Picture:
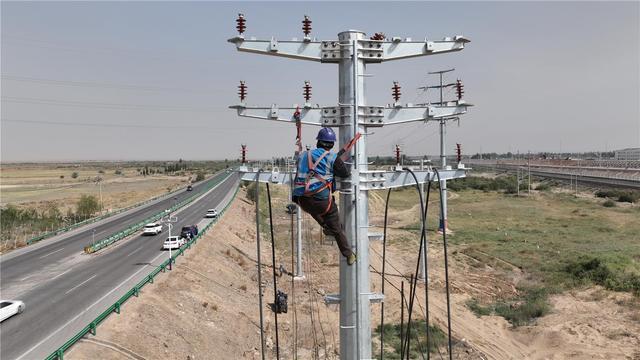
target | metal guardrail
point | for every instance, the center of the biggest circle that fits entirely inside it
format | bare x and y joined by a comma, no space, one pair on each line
137,226
135,291
91,220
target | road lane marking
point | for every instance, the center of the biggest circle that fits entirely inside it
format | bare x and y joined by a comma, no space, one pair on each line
62,273
53,252
111,291
25,278
85,311
82,283
134,251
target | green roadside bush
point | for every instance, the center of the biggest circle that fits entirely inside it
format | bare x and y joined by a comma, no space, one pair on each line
530,304
586,270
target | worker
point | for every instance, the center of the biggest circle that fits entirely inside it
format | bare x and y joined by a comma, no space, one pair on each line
314,185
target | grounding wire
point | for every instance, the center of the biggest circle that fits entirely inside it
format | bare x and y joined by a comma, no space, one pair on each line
414,280
446,267
259,263
275,284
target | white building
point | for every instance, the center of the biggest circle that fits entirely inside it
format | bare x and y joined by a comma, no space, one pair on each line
628,154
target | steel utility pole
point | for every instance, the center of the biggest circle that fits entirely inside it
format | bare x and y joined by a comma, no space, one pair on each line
352,51
443,226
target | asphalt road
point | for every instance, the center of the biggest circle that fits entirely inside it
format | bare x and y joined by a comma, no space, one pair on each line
63,288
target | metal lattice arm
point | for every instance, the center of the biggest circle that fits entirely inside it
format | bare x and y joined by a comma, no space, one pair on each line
308,115
398,49
409,113
303,50
369,115
332,51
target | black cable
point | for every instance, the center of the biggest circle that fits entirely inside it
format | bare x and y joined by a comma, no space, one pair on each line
259,262
384,254
414,280
275,284
426,268
446,265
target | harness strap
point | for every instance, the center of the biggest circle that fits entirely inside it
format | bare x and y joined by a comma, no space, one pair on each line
348,146
296,116
312,168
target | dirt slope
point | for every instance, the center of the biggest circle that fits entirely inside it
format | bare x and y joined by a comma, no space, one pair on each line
208,307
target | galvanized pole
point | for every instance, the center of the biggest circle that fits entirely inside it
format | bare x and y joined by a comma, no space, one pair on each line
529,175
355,309
443,226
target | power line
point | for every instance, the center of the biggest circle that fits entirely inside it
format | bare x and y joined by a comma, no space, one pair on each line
101,105
109,125
91,84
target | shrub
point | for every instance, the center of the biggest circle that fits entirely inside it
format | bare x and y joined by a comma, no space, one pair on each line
609,203
594,270
200,176
118,172
626,198
521,310
74,175
87,206
418,339
543,187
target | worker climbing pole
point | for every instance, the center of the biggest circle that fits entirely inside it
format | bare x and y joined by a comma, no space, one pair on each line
352,52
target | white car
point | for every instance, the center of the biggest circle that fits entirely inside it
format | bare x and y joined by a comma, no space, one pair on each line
212,213
8,308
173,242
152,229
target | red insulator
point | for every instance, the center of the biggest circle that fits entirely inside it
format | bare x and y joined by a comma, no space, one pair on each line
459,152
397,154
306,92
396,91
244,153
378,36
459,89
306,26
242,91
241,24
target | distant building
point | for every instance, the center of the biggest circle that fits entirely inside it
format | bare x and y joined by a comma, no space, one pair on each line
628,154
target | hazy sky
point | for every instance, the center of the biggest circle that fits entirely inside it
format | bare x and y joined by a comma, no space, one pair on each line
153,80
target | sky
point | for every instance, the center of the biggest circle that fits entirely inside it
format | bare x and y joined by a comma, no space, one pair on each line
153,80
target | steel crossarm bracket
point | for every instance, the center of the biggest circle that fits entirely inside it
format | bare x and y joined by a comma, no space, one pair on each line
309,114
377,180
372,51
273,177
335,298
295,49
400,114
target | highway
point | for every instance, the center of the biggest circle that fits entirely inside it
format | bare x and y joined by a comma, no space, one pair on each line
63,288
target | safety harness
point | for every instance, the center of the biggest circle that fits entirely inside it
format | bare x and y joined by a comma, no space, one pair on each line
312,166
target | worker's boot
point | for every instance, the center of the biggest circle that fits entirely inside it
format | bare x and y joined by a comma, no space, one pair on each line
351,259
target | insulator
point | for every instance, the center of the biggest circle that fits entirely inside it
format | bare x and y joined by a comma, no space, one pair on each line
396,91
306,92
378,36
398,154
242,91
306,26
459,89
244,153
459,152
241,24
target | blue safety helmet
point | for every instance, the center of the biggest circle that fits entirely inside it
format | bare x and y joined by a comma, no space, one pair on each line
326,134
